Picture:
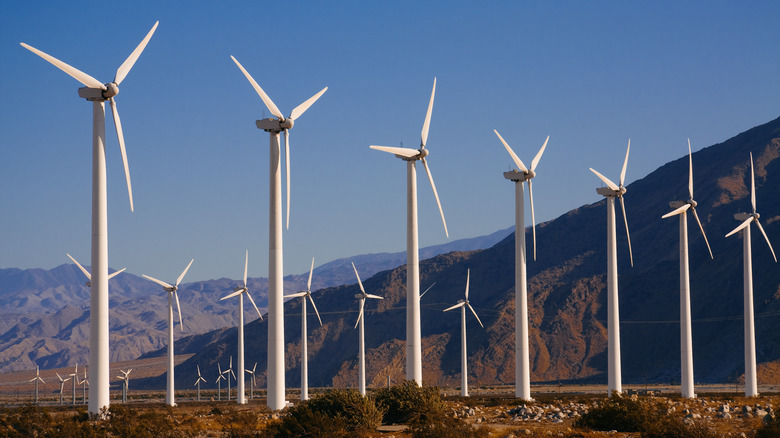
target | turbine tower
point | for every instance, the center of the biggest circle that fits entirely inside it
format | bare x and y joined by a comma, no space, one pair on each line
612,191
751,381
522,354
413,331
686,337
99,93
304,347
220,378
37,379
197,382
74,376
464,375
125,378
241,291
362,341
62,385
274,126
171,289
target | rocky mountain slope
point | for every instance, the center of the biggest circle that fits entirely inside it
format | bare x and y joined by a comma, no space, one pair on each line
567,293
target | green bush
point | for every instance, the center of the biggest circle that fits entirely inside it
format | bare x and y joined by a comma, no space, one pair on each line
26,421
621,414
302,421
447,427
334,413
410,403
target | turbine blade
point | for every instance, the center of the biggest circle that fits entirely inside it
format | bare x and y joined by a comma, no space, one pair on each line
178,309
606,180
198,370
376,297
515,158
435,194
676,211
741,226
240,291
89,277
160,282
246,267
426,290
254,305
475,315
266,100
184,272
461,304
767,239
702,232
752,184
128,64
427,123
539,154
533,216
358,278
296,295
115,273
287,173
468,274
254,368
628,236
75,73
625,164
315,309
300,109
311,271
404,152
121,137
360,314
690,170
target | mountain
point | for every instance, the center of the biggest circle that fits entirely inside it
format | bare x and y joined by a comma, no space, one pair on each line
567,293
44,314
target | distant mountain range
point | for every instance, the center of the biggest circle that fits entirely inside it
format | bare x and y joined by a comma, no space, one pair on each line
44,314
567,293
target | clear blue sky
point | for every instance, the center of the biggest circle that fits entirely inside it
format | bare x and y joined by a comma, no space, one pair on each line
589,74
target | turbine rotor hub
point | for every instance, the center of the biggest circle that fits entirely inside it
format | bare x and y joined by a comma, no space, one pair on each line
112,89
693,203
287,123
423,153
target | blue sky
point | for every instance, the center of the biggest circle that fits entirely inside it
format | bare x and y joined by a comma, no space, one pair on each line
589,74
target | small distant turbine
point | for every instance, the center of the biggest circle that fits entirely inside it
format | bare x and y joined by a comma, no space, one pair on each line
228,372
89,277
362,296
241,291
252,381
74,376
37,379
686,337
751,380
304,347
62,385
172,294
84,384
220,378
612,191
462,304
125,378
522,354
197,382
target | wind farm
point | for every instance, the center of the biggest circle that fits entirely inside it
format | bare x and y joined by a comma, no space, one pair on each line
551,314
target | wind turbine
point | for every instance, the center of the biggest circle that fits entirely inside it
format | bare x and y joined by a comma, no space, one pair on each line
522,355
612,191
125,377
171,289
75,377
686,338
252,381
89,277
99,93
360,322
220,378
229,371
274,126
84,383
37,379
241,291
751,381
413,331
462,304
62,385
304,347
197,382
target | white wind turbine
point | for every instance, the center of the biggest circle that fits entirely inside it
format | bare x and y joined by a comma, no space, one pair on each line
751,380
522,355
220,378
413,330
252,381
125,378
612,191
99,93
462,304
274,126
241,291
304,346
89,277
84,383
62,385
75,377
229,372
686,337
37,379
360,322
172,294
197,382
